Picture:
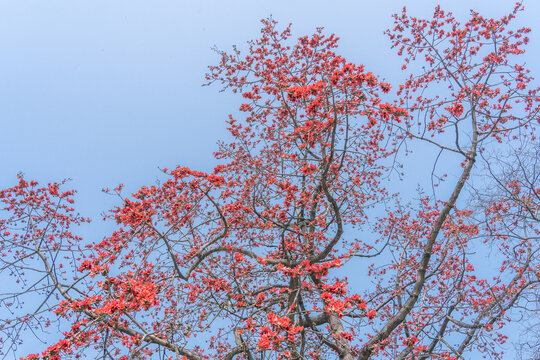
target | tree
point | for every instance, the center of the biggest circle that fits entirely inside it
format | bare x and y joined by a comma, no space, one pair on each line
249,261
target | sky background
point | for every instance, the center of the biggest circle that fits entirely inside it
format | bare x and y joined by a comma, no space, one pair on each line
107,92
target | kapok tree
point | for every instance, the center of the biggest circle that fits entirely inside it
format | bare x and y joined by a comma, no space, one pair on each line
250,261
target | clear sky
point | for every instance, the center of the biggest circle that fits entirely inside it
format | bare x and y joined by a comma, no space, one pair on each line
106,91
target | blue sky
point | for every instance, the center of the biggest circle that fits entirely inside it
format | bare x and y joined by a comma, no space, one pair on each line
105,92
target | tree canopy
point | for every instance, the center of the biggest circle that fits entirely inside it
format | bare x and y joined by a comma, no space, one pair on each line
297,246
